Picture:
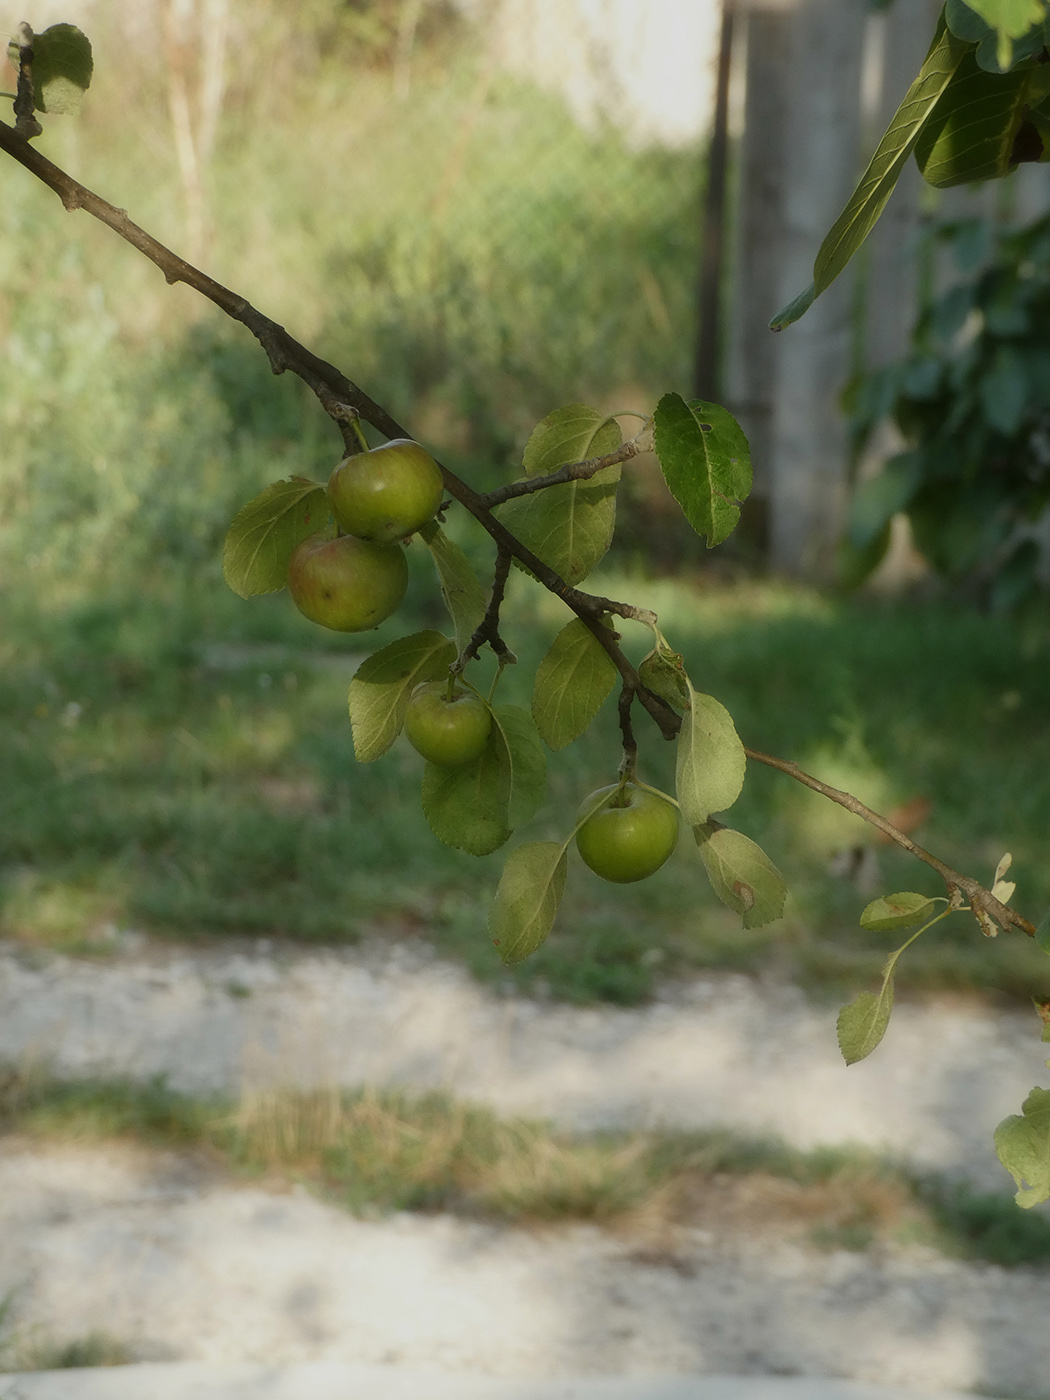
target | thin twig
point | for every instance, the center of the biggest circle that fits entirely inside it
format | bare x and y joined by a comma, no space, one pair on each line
572,471
630,744
26,123
983,903
487,629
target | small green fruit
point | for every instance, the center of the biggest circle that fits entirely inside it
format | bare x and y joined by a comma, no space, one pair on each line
627,842
347,584
388,493
446,732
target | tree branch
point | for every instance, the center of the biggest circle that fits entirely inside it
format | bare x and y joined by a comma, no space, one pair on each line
983,903
487,629
342,399
572,471
337,394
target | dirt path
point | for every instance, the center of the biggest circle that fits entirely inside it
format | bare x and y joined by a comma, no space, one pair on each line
719,1050
180,1263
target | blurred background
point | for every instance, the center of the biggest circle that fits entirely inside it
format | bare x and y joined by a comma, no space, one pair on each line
482,210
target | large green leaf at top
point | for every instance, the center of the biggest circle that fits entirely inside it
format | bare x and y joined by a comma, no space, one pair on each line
569,527
970,133
383,684
1022,1144
62,68
706,463
572,681
876,184
463,594
264,533
1010,19
526,902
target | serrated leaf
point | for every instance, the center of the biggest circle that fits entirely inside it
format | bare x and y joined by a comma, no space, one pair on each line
62,68
1042,933
462,591
264,533
710,762
523,763
741,874
526,902
663,672
382,685
862,1023
706,463
876,185
970,133
570,527
572,681
1022,1144
897,911
466,807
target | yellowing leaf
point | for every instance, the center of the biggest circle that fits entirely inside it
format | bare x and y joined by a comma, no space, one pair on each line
1022,1143
862,1024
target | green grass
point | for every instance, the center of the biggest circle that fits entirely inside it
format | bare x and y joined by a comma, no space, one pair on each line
182,763
376,1152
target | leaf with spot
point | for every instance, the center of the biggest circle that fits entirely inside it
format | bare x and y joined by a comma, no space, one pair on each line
897,911
741,874
463,594
526,902
1022,1144
382,685
569,527
706,463
572,681
264,533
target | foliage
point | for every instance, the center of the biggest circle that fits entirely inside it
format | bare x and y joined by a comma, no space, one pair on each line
980,103
972,401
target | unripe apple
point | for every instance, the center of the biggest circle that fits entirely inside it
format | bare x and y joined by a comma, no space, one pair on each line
347,584
631,837
387,493
447,732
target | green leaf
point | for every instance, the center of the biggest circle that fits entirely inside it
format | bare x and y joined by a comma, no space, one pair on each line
897,911
526,902
741,874
710,762
380,689
795,309
570,527
995,57
571,434
663,672
862,1024
62,68
572,681
706,463
1042,933
1022,1144
876,185
463,594
523,761
1011,19
965,23
970,133
466,807
260,541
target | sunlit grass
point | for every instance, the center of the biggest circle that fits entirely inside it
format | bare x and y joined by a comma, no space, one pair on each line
374,1152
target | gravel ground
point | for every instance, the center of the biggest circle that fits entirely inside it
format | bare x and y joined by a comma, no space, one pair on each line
180,1263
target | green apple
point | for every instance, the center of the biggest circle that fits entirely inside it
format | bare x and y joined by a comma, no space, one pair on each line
347,584
386,494
446,732
629,838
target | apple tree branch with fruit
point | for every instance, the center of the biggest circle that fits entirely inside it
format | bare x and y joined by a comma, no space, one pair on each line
339,548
